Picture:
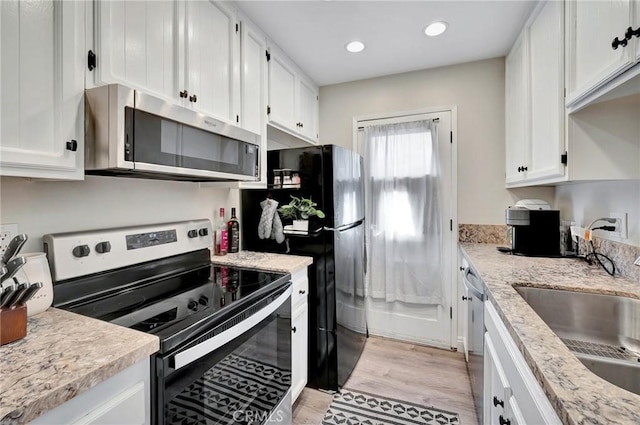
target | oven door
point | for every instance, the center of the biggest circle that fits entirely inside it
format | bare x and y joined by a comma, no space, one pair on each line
237,373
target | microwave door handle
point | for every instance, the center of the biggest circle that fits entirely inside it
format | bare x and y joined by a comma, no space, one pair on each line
192,354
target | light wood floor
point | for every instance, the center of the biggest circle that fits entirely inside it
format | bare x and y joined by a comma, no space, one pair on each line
422,375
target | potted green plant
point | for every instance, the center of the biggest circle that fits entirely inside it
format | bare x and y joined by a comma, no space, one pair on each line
299,210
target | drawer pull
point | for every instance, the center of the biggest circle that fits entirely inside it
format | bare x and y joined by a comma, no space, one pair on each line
504,421
302,291
497,402
466,298
294,329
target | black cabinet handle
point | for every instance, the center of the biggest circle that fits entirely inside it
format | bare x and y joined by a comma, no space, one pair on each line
525,168
302,291
497,402
461,268
184,94
519,169
631,33
302,124
616,42
193,98
466,298
504,421
72,145
293,329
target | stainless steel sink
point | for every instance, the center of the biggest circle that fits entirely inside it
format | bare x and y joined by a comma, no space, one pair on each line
603,331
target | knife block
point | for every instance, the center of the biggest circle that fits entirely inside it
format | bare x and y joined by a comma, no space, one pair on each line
13,324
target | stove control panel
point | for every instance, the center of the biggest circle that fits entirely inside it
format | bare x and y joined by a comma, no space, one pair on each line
81,253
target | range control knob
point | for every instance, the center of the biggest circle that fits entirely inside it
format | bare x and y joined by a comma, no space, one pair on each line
192,233
103,247
204,231
203,300
81,251
192,305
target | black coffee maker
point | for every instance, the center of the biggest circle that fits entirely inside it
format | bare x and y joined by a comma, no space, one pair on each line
536,232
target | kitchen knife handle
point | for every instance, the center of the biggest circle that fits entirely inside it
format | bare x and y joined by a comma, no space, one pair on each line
12,268
30,292
14,247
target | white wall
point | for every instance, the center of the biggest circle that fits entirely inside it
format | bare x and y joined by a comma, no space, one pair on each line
478,91
584,202
41,207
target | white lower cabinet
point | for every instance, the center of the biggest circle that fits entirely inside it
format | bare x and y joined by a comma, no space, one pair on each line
123,399
42,87
512,394
299,332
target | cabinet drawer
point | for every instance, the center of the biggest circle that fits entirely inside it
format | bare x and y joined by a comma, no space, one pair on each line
300,287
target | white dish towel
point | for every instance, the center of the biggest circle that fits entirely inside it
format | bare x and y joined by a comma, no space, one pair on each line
270,225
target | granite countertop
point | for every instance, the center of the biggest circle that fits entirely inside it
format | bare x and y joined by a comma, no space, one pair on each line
263,260
63,355
577,395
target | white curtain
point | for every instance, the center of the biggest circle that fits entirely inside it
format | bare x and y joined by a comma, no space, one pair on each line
404,231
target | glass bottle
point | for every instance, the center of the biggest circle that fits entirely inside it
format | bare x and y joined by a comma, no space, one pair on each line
233,227
221,235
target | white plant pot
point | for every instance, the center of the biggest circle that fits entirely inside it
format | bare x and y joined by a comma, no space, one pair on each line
302,225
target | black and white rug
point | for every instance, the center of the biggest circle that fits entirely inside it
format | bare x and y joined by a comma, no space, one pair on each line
355,408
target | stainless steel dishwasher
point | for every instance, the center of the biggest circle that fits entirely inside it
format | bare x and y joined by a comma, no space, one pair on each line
475,337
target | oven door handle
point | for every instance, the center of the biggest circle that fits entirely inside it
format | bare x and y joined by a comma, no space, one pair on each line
194,353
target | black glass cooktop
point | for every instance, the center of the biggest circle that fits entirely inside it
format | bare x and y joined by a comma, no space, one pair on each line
170,301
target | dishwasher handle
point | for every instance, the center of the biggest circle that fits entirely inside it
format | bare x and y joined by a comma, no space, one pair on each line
469,276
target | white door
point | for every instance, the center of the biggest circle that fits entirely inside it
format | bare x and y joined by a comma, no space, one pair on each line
42,87
546,76
282,91
592,59
516,112
299,344
423,323
211,55
137,45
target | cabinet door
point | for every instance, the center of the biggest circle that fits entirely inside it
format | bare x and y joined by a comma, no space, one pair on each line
496,387
212,56
308,109
282,91
592,26
299,348
253,46
546,91
137,45
516,111
42,87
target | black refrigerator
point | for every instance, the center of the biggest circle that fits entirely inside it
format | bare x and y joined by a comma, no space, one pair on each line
333,177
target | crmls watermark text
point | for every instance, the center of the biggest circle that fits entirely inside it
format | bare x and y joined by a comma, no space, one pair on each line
251,416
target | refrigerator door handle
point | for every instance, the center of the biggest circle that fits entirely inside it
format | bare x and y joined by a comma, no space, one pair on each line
343,228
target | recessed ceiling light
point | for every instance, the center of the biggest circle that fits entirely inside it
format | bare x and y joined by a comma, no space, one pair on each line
355,46
435,28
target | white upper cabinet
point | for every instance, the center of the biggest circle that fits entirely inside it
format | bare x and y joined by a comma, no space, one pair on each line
184,51
534,104
253,78
41,87
546,93
137,44
599,48
282,90
293,98
212,55
308,111
516,111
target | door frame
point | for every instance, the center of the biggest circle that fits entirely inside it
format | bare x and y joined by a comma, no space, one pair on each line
450,275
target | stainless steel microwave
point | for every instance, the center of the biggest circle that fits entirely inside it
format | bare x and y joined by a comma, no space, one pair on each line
134,134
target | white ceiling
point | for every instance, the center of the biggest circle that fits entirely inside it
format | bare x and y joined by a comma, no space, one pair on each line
314,33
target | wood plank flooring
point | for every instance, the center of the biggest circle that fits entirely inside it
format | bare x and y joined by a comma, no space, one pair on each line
404,371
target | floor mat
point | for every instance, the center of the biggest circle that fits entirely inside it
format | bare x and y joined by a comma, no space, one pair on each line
353,408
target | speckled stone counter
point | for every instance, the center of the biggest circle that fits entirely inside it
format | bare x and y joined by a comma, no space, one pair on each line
63,355
577,395
264,260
